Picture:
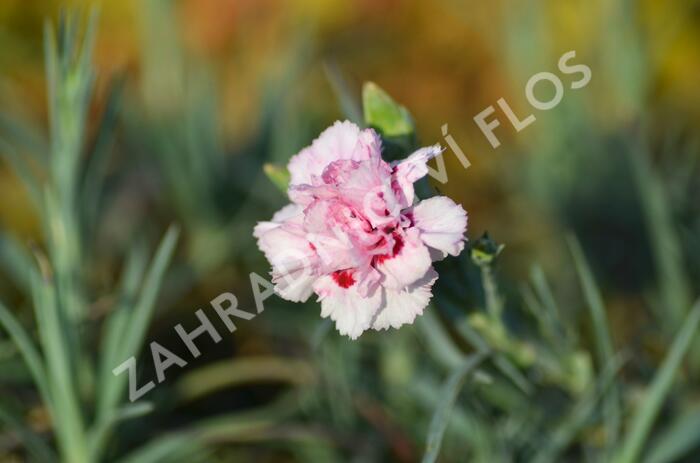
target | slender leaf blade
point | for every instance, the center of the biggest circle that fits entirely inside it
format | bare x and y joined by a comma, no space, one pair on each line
603,339
449,393
642,421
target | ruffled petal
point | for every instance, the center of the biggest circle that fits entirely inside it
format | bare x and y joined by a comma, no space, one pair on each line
409,263
410,170
293,259
341,301
290,212
286,247
342,140
404,305
367,188
296,285
442,224
333,230
304,194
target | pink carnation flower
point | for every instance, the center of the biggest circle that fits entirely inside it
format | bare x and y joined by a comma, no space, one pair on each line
355,235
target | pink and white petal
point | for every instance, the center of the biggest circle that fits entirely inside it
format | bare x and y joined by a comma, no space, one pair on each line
403,306
369,146
368,280
338,171
410,263
291,212
368,189
336,142
415,166
294,263
330,240
351,312
287,248
304,194
295,286
410,170
442,224
334,252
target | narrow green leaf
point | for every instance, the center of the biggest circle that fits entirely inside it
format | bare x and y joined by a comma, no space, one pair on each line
594,300
438,342
349,105
63,250
254,424
545,324
191,443
51,70
176,447
578,417
545,295
116,324
449,392
129,328
500,361
145,306
676,440
88,42
139,319
228,373
552,316
99,434
462,422
384,114
603,340
675,289
16,261
96,169
60,371
27,349
642,421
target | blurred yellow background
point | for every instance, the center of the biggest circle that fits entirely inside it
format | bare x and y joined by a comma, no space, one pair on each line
445,60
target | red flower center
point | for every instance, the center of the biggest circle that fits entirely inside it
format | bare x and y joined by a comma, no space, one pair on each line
343,278
398,246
